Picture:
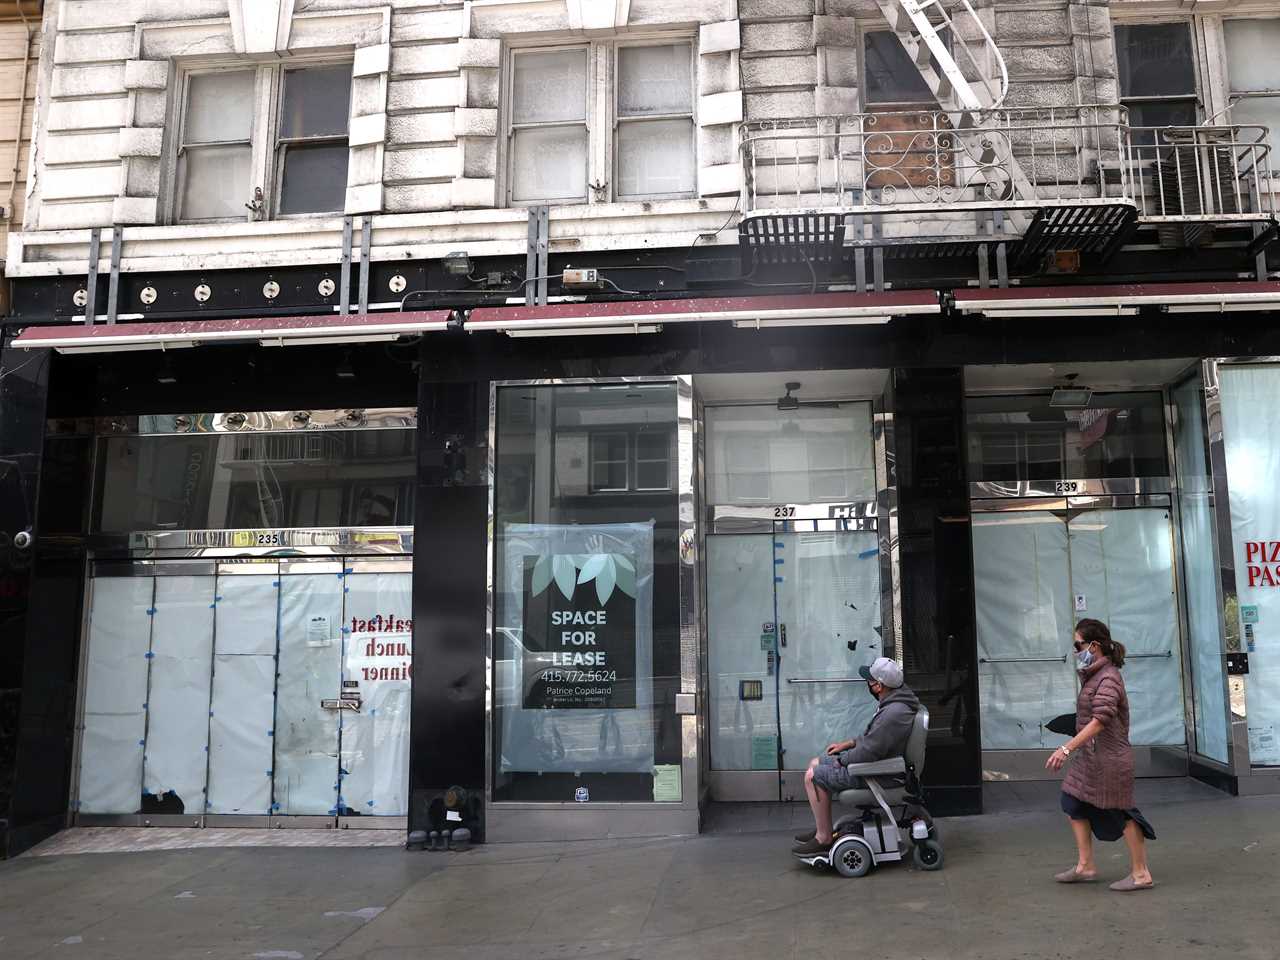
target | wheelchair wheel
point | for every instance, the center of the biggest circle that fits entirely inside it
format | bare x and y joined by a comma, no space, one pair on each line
852,857
927,855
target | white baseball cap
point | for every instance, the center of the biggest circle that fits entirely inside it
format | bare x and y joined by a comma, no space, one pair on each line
884,671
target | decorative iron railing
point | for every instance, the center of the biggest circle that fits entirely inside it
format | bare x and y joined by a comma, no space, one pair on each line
918,162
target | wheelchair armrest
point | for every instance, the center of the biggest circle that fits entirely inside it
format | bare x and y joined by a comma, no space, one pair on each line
878,768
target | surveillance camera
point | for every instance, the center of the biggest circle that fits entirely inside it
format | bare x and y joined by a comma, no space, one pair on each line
23,539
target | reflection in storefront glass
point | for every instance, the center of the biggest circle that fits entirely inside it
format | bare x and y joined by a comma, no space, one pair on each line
1023,438
332,478
586,605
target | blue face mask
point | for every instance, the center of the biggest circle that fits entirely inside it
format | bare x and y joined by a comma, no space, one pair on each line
1084,658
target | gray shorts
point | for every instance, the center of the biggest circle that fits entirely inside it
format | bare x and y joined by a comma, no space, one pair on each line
833,777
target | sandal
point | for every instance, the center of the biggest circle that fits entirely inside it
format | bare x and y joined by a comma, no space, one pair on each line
1075,876
1129,885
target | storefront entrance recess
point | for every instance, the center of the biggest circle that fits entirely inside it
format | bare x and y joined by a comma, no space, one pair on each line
1072,517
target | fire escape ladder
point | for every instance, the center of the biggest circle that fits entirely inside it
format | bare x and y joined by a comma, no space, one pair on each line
969,79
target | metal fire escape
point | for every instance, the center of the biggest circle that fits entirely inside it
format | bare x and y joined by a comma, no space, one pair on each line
973,176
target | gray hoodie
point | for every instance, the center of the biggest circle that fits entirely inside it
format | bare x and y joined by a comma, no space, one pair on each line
887,733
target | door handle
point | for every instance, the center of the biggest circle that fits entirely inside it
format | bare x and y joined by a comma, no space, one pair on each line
1149,656
826,680
1061,659
782,634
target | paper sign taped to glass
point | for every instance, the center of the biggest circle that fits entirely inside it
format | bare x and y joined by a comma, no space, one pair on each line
574,647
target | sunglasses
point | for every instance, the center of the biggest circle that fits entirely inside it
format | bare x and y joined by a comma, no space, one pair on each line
1080,644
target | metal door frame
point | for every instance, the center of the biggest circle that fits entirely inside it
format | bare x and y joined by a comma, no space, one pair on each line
175,553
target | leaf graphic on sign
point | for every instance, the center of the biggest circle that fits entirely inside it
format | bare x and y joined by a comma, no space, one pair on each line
541,574
592,567
626,575
565,574
605,580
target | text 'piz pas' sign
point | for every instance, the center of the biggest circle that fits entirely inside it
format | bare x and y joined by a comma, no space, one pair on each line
1262,562
579,632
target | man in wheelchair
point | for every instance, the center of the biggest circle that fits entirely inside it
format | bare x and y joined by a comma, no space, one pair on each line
885,737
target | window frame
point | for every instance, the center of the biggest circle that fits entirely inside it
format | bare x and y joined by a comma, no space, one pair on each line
178,177
597,438
1197,97
602,116
888,106
617,120
266,166
280,143
1229,96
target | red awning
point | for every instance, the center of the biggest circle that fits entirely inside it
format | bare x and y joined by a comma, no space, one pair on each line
268,331
648,316
1120,298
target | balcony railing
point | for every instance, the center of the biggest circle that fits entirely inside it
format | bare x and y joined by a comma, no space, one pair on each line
916,162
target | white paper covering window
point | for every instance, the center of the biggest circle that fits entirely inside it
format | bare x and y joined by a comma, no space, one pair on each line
306,734
178,702
1251,440
1035,575
378,655
241,726
115,694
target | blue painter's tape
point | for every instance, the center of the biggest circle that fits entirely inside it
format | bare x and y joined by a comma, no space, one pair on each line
779,545
142,743
151,612
779,561
271,733
369,803
348,570
344,629
373,711
206,748
345,773
214,605
269,772
217,599
144,706
777,579
275,807
275,583
149,655
333,811
868,554
346,589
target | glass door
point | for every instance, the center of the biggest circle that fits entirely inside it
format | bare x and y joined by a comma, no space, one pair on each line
1022,595
1036,573
792,614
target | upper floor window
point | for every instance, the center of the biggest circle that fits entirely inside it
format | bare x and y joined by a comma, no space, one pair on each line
1253,73
571,139
267,139
1157,75
890,76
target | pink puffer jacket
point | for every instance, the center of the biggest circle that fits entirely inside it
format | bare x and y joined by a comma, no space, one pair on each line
1101,772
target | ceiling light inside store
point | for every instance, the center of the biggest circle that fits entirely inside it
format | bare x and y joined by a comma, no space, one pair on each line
1070,397
165,373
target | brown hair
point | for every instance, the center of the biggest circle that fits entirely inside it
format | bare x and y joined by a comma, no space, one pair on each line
1095,631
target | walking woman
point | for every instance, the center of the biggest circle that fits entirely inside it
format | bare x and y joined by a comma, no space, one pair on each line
1097,794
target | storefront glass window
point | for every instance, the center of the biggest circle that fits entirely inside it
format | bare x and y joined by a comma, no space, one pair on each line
1251,441
586,616
1200,573
1023,438
337,478
819,454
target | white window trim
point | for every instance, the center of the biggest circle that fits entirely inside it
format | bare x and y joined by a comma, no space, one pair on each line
602,116
266,170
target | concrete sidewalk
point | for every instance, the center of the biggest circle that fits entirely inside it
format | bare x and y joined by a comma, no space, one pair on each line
731,895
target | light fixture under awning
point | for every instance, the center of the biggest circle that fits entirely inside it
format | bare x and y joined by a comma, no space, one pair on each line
643,316
267,331
1120,299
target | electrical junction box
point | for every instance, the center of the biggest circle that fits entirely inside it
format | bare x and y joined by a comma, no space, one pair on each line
581,280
